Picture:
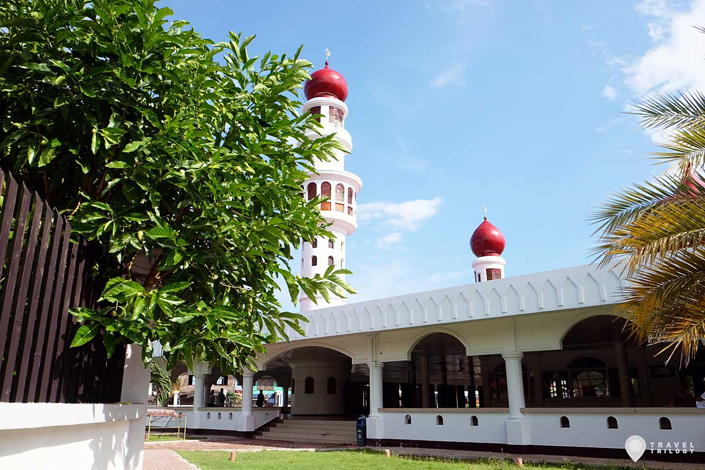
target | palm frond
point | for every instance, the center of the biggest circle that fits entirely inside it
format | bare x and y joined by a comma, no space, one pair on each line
686,148
667,111
161,381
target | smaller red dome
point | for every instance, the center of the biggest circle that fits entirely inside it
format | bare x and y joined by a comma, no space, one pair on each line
487,240
326,82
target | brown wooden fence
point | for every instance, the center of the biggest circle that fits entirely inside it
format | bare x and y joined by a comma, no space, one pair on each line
42,275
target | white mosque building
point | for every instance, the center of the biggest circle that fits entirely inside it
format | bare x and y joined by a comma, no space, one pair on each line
536,363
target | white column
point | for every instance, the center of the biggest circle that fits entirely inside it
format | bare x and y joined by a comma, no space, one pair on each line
199,390
248,419
376,387
517,426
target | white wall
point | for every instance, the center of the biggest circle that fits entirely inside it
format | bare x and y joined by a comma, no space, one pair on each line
456,425
71,436
588,427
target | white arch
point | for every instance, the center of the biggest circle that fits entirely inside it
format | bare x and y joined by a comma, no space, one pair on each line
262,362
568,325
436,329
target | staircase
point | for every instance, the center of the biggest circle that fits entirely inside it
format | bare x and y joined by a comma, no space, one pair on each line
310,430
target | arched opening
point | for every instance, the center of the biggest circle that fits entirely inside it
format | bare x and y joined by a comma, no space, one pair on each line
314,261
271,392
350,195
331,243
332,385
208,415
331,261
311,191
439,420
230,416
342,264
339,198
407,419
314,243
219,416
665,424
474,421
325,192
612,423
565,422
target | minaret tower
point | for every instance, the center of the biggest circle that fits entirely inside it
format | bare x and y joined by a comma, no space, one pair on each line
326,93
487,242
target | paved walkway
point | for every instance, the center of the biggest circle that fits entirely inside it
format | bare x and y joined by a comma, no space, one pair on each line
162,455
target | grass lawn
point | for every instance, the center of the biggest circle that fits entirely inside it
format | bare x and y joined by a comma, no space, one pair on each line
345,460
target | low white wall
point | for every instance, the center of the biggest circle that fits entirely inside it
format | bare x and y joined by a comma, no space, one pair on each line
457,424
588,427
221,419
71,436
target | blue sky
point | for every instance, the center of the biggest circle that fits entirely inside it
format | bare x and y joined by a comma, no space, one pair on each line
456,104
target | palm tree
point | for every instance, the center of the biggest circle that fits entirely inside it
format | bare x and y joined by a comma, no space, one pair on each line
656,230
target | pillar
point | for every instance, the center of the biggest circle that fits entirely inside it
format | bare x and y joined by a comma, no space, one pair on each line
517,426
248,419
625,383
426,397
200,393
376,387
285,398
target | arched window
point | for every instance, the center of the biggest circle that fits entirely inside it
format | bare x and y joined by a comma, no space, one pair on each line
342,264
439,420
308,386
293,385
331,243
230,416
665,424
350,195
331,386
331,261
314,261
588,378
612,423
565,422
407,419
342,246
219,416
474,421
325,192
339,198
208,416
340,192
314,243
311,191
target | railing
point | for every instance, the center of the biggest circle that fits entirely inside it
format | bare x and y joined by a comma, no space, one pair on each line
42,276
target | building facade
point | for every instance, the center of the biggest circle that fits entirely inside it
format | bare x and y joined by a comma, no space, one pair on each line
538,363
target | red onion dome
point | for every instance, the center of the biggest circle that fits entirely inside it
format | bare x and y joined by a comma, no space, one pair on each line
326,82
487,240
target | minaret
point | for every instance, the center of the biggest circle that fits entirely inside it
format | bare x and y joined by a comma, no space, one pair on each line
325,94
487,242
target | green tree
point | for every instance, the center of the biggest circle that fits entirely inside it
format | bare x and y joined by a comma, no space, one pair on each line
657,230
182,158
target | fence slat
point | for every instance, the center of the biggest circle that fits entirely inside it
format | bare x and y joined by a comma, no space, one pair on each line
8,294
64,352
7,216
47,293
32,325
55,316
20,319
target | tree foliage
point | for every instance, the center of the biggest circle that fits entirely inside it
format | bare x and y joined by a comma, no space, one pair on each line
656,230
181,157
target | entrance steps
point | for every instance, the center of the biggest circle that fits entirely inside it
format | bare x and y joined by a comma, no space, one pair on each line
310,430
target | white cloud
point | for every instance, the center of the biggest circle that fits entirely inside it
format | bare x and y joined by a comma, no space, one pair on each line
610,124
452,75
389,240
609,92
405,215
455,6
675,60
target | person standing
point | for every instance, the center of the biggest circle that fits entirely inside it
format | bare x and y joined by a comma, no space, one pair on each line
260,399
221,398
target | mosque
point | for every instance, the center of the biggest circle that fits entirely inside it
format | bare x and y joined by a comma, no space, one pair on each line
537,363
